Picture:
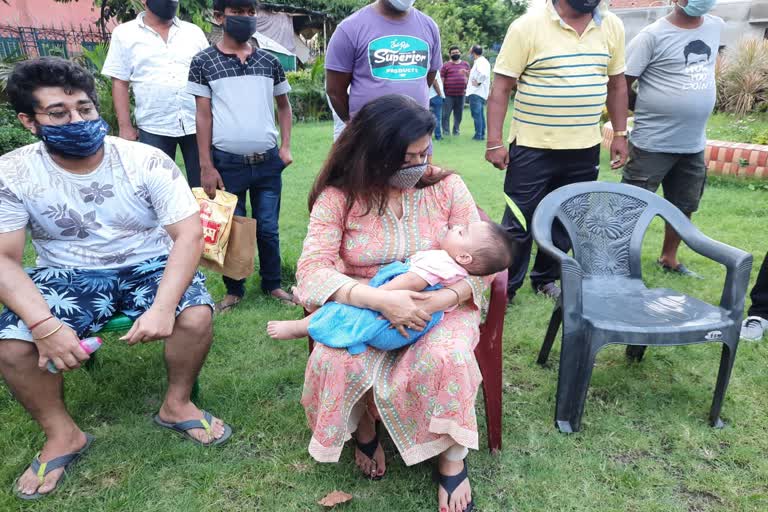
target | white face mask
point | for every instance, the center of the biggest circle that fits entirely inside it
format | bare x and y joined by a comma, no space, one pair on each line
401,5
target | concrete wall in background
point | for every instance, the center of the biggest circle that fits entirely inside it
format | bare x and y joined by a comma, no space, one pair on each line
734,12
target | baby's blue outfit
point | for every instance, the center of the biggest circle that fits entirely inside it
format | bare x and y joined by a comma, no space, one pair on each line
342,326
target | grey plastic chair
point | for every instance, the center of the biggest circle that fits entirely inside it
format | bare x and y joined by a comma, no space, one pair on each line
604,300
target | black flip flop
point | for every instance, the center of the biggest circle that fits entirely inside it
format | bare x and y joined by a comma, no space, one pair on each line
450,483
369,449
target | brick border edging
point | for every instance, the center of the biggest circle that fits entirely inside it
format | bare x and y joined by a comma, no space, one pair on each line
724,158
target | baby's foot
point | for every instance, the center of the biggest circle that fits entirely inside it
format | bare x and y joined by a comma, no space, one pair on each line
286,329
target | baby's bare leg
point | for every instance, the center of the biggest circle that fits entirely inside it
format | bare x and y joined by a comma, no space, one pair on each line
289,329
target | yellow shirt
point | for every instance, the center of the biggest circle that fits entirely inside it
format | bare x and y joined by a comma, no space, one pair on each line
561,77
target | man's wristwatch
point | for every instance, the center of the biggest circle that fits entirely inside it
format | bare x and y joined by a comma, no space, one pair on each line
620,134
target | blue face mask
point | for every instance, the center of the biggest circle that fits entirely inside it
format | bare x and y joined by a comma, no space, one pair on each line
78,140
696,8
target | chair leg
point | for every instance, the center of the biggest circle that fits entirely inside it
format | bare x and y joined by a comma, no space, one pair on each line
727,358
554,326
489,359
635,352
576,362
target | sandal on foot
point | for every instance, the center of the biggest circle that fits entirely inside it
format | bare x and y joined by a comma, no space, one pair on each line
221,307
450,483
680,270
369,450
43,468
183,428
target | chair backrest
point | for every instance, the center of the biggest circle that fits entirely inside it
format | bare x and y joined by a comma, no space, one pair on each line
606,223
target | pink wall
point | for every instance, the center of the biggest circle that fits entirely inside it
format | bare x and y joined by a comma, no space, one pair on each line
46,13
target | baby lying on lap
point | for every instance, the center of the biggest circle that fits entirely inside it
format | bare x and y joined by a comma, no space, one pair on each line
479,249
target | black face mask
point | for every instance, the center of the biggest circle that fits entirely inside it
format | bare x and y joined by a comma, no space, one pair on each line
455,57
163,9
240,28
584,6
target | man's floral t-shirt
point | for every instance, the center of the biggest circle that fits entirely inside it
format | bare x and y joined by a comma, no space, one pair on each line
109,218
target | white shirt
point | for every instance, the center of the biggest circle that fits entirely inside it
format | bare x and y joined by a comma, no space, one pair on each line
158,72
432,91
110,218
480,73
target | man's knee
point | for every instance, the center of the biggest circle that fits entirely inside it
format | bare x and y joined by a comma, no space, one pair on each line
197,320
14,352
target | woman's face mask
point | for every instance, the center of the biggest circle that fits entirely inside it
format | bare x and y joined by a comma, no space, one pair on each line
408,177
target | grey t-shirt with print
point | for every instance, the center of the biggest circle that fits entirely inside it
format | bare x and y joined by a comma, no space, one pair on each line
676,89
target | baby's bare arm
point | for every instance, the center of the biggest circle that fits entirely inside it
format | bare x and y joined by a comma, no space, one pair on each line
407,281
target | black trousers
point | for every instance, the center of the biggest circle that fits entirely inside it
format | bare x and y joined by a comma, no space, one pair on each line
759,293
168,145
531,175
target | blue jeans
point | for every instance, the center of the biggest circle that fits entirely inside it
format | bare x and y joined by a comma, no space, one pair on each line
436,107
477,108
168,145
264,182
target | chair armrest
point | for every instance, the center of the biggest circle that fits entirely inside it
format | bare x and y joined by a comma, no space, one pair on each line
571,277
738,263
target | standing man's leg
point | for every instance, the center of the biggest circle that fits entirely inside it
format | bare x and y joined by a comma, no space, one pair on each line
265,201
526,183
436,107
683,187
476,109
572,166
755,325
165,144
482,118
236,176
191,156
447,109
458,111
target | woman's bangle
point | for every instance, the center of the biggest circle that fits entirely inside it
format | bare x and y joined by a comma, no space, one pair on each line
349,293
494,147
57,329
41,322
458,297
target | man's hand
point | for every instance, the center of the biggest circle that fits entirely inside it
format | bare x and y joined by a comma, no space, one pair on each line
155,324
62,348
619,152
211,180
285,155
499,157
128,132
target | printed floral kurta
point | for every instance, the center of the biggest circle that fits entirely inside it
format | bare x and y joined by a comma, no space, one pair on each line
425,393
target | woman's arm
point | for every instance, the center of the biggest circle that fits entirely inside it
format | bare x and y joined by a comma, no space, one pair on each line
318,281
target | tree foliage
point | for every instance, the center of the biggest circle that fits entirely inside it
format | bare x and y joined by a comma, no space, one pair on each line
461,22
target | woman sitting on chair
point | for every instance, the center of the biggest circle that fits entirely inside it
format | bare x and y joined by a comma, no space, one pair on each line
377,201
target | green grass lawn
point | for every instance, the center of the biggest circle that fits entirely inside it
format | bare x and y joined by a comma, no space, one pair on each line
645,444
752,128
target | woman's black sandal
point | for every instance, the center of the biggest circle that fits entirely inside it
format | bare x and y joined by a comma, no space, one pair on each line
369,449
450,483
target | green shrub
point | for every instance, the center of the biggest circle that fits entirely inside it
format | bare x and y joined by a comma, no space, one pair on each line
742,77
12,134
761,137
308,99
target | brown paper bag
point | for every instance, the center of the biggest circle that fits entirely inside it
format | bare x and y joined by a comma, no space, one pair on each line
241,250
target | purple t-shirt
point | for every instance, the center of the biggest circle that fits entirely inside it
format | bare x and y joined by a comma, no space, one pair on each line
385,56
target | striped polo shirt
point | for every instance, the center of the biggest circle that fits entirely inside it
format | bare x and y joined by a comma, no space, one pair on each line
561,77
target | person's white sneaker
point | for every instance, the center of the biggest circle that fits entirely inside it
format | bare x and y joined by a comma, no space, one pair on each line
753,328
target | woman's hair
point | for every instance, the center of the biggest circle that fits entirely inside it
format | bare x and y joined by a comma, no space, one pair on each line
30,75
371,149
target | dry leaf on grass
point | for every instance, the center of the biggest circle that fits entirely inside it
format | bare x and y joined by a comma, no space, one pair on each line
335,498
